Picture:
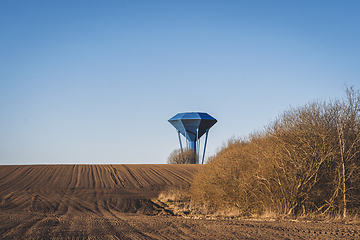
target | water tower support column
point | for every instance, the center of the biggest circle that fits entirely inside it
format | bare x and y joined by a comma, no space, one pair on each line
193,146
197,142
180,140
206,136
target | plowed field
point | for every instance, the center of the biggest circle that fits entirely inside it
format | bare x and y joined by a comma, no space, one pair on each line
116,202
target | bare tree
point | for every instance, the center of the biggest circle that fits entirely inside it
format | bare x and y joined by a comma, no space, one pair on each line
186,156
348,138
307,160
296,146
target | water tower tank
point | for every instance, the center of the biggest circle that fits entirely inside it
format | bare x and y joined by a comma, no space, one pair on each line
193,125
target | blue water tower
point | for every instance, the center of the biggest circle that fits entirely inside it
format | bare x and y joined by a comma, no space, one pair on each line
193,125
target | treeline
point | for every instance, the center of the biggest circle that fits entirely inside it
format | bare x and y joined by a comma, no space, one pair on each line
306,161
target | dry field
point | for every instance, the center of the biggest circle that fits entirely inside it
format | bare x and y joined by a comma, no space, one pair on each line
118,202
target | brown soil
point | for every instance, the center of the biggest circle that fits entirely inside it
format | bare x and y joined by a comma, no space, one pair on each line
117,202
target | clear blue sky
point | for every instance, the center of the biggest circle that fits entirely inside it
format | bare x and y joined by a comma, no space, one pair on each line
94,82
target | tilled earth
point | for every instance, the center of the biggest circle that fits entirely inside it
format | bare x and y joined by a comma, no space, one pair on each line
116,202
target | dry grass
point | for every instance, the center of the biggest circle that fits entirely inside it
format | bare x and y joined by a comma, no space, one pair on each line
331,218
178,201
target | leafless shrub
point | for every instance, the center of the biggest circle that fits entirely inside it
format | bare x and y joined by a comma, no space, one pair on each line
306,161
186,156
227,181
